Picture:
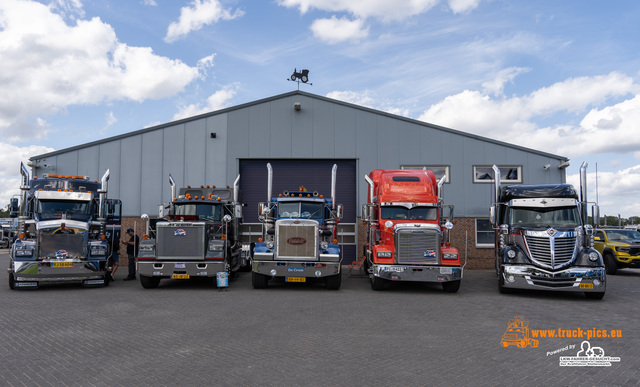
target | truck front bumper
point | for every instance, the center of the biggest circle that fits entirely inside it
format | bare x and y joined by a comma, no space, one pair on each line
573,279
418,273
167,269
296,268
30,273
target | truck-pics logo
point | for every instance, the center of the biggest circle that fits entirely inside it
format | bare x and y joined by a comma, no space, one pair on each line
518,334
296,241
588,356
180,232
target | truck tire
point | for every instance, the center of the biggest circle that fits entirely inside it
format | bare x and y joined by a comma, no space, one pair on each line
259,281
377,283
594,295
334,281
451,286
12,282
149,282
610,264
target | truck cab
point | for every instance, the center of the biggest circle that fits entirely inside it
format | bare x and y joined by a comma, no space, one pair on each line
542,239
299,237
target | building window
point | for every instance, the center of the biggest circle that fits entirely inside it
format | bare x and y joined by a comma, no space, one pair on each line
484,234
438,170
508,174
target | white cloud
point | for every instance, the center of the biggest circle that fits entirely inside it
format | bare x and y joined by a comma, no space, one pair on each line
216,101
618,191
367,99
514,119
336,30
197,15
383,9
10,158
462,6
496,85
49,65
151,3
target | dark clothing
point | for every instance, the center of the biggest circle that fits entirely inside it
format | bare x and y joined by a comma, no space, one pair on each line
132,252
133,249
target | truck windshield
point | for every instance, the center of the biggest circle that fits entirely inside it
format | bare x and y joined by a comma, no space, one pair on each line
416,213
204,210
53,209
566,217
623,235
307,210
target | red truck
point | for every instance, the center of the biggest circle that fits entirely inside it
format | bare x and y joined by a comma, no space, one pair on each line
407,237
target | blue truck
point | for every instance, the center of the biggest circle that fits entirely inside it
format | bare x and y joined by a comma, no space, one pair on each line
298,237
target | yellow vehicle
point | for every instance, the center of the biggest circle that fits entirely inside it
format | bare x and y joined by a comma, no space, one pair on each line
620,248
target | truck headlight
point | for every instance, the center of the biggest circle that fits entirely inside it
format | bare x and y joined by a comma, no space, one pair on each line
270,245
623,249
147,248
24,253
449,256
216,247
511,254
324,245
593,256
384,254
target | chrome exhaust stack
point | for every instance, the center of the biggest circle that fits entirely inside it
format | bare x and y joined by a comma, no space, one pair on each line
173,188
102,192
583,191
333,185
24,188
269,182
496,184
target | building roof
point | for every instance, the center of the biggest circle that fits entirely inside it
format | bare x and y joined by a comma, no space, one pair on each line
305,94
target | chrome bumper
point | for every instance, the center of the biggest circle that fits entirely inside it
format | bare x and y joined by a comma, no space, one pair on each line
44,271
418,273
573,279
169,268
296,268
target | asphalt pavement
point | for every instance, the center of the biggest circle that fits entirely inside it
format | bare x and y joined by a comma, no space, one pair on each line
189,333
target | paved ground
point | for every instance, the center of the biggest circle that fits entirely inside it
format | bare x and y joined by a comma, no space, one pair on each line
187,333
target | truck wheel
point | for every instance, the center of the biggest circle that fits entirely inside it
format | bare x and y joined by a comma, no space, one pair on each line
451,286
594,295
377,283
334,281
149,282
610,264
259,281
12,282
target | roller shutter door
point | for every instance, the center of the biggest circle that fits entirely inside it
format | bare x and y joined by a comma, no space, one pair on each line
289,175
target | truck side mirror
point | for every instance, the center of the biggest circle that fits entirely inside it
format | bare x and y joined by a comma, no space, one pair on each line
492,215
597,239
13,207
339,211
595,214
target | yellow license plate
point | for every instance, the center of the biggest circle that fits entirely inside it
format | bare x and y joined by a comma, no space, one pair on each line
180,276
61,264
586,286
296,279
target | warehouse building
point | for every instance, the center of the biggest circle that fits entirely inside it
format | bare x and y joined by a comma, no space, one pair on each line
302,135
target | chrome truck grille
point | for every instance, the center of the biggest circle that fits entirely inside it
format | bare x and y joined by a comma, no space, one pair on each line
551,249
297,239
182,241
61,246
418,245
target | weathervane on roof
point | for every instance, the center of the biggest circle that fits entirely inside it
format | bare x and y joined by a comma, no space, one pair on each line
301,76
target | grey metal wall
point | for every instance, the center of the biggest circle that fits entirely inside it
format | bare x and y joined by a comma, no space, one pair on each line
141,161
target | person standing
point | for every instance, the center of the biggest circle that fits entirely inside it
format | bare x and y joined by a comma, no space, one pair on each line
132,252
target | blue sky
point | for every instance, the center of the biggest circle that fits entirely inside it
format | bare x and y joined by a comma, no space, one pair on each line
557,76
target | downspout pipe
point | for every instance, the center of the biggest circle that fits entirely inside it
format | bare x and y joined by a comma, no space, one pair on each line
334,171
237,210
